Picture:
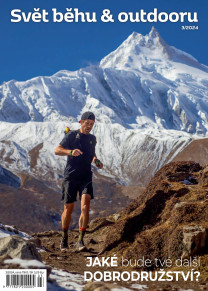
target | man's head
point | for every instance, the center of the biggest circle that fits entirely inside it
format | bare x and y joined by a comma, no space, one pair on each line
87,121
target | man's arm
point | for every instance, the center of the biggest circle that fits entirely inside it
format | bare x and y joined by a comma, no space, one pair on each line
61,151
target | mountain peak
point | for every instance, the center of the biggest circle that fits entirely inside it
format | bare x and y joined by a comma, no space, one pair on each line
135,48
134,34
133,38
140,52
154,33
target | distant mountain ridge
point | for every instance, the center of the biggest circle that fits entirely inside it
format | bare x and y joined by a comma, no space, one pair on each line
8,178
150,101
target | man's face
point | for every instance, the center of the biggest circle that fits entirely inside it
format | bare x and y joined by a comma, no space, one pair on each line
87,125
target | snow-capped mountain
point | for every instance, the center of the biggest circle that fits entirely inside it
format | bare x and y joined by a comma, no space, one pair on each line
150,101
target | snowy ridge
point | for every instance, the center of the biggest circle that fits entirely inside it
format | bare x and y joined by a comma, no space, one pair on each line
7,230
150,101
118,147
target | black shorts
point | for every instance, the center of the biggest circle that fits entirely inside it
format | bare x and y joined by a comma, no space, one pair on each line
74,184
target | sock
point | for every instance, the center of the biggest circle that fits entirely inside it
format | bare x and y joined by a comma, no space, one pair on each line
81,233
64,232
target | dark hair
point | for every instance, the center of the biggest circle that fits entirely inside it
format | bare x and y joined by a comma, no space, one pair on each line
88,115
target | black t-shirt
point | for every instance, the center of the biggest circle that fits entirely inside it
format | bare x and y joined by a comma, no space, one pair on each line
80,165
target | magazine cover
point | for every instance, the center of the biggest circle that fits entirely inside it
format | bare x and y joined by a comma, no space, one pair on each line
103,145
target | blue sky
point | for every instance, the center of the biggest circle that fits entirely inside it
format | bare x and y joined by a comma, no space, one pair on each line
32,49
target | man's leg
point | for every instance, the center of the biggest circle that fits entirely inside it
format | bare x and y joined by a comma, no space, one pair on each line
66,219
83,220
85,208
66,215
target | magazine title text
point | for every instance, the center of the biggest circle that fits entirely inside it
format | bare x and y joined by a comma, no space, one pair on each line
71,15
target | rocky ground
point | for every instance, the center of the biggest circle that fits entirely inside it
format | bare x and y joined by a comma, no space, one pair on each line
168,221
75,262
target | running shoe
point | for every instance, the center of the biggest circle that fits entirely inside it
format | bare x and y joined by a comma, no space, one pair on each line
80,246
64,244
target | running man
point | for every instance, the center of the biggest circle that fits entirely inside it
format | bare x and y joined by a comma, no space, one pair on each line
79,147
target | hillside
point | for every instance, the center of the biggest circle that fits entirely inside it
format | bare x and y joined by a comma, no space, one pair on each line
169,220
197,151
37,205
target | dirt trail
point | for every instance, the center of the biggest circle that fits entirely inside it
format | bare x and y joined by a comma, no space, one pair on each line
169,220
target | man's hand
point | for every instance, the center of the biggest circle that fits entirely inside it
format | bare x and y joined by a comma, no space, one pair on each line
76,153
98,164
